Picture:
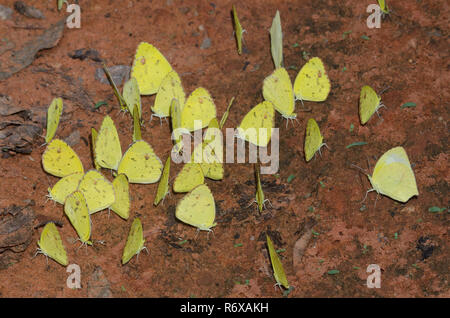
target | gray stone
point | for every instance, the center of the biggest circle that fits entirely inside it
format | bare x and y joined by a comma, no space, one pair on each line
119,73
5,13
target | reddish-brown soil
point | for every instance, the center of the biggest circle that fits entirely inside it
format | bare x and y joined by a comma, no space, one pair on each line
409,53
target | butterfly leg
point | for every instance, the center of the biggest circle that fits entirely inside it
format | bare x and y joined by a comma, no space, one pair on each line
277,284
366,194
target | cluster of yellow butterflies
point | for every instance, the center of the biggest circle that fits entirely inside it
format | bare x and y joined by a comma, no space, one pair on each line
84,193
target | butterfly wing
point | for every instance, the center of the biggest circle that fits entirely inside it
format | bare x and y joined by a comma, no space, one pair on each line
149,68
77,211
108,151
393,176
163,186
121,204
170,88
277,89
369,102
312,83
277,266
313,139
94,135
140,164
197,208
132,96
190,176
258,124
60,160
65,186
237,30
276,41
53,115
135,241
198,107
97,190
51,244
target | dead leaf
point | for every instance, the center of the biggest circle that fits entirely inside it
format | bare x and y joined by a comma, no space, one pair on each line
302,243
24,57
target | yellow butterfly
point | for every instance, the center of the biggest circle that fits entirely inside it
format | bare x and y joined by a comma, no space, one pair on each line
393,176
277,266
312,83
140,163
53,115
209,154
64,187
259,192
97,190
170,88
369,103
149,68
197,208
313,139
177,129
77,211
258,124
135,242
163,186
225,115
383,6
94,139
238,30
122,195
132,96
136,125
198,107
276,41
108,151
123,104
190,176
51,245
60,160
277,89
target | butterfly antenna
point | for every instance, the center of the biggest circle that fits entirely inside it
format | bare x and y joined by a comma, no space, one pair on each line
384,89
361,169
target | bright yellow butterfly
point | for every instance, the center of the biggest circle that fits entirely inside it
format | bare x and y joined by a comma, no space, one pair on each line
258,124
64,187
198,107
177,129
136,125
122,194
94,135
51,245
312,83
53,115
393,176
209,154
170,88
97,190
383,6
277,89
77,211
259,192
197,208
149,68
190,176
140,163
278,271
60,160
225,115
276,41
132,96
135,242
108,151
313,139
369,103
123,104
163,186
237,30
